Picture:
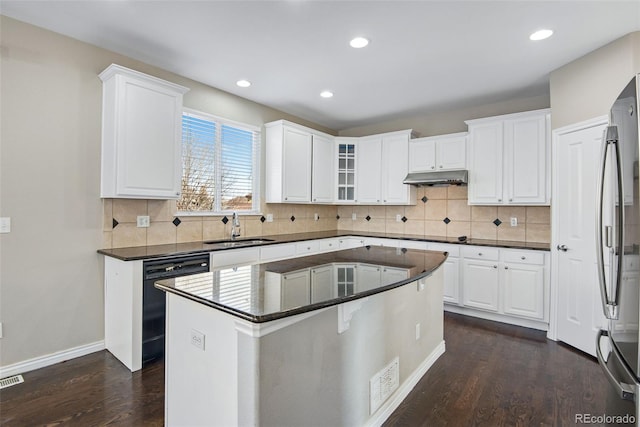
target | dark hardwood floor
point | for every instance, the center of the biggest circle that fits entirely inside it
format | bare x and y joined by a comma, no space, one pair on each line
491,374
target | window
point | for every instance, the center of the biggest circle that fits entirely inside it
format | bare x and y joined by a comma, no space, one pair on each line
220,161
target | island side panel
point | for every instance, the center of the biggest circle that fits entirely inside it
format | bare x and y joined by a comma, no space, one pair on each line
201,386
312,375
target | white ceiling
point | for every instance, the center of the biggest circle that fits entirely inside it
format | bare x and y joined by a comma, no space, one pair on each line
424,56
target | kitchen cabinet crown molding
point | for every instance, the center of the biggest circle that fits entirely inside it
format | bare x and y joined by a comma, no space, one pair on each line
115,69
509,116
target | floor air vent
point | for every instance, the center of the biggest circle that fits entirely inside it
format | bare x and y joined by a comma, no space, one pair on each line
9,381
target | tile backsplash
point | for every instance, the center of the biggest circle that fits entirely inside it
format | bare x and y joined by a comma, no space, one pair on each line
439,211
120,230
443,211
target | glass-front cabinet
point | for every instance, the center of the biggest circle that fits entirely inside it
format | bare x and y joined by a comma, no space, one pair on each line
346,169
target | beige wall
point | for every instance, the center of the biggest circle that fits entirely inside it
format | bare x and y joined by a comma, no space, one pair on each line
426,218
449,121
587,87
51,292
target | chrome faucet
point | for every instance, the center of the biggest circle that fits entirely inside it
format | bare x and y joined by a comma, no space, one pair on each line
235,226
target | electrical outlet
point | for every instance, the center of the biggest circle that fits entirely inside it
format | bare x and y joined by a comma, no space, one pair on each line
5,224
354,216
420,285
417,331
197,339
269,217
1,331
514,221
143,220
316,217
398,218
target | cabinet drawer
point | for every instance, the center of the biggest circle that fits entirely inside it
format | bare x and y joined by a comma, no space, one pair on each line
328,245
307,248
271,253
412,244
454,250
234,257
525,257
481,252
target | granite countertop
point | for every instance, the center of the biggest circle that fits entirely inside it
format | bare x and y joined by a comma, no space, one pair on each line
270,291
191,248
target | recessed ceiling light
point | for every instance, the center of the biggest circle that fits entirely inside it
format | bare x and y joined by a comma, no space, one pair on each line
326,94
243,83
359,42
541,35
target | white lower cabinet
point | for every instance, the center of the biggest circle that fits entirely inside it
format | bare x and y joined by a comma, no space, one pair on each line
452,280
480,284
323,283
295,290
510,285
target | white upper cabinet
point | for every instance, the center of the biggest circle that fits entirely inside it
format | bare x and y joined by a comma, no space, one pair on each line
509,159
382,163
346,149
141,135
323,170
444,152
288,163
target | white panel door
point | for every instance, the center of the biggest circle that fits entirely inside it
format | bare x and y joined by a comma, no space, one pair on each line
368,165
323,170
525,160
485,163
579,314
480,284
296,166
395,158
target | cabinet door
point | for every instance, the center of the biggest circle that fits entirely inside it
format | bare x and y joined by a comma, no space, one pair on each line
323,171
369,165
526,150
147,130
480,284
295,289
296,168
322,284
367,277
523,287
346,170
395,166
485,163
451,153
451,280
422,155
393,275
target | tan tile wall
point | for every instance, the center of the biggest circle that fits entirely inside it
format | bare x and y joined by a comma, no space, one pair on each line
198,228
534,222
422,219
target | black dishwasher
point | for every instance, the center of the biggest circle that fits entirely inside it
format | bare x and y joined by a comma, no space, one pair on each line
154,300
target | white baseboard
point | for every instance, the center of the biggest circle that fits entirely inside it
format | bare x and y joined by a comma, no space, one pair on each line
50,359
495,317
403,391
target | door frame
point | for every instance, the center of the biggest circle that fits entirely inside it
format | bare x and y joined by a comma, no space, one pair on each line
552,333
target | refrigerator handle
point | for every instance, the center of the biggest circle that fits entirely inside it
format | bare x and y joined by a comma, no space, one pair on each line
609,305
624,390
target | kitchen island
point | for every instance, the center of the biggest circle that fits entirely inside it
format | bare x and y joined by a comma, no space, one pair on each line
331,339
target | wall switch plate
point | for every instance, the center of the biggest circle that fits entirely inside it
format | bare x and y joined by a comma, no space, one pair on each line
197,339
514,221
420,285
354,216
5,224
143,221
398,218
316,217
269,217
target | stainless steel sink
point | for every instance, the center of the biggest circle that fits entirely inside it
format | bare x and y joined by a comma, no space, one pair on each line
228,243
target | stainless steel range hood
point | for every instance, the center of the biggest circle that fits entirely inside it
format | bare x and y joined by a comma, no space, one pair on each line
458,177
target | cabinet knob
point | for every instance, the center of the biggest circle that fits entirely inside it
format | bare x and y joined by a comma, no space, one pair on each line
433,167
511,200
286,198
495,266
499,200
440,166
378,201
315,200
506,268
385,201
523,257
479,253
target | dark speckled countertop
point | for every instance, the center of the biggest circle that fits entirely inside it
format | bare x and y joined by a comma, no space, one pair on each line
256,292
192,248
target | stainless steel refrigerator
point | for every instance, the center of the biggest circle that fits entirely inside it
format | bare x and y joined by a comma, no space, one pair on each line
618,242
